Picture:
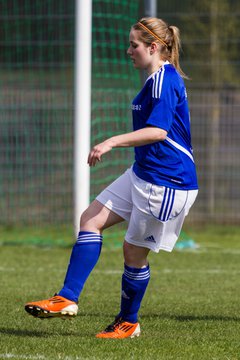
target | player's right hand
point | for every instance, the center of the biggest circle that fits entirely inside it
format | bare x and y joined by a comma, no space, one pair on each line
97,152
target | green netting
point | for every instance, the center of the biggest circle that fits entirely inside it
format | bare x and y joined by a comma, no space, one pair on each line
37,43
36,103
115,82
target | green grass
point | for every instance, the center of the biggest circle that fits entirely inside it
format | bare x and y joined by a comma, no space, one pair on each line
191,309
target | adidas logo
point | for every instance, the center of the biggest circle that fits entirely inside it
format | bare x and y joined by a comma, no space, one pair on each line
125,327
124,295
150,238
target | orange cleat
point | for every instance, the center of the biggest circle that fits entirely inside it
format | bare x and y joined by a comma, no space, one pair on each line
120,329
56,306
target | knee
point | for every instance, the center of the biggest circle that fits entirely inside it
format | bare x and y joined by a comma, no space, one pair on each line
128,254
91,219
86,219
134,255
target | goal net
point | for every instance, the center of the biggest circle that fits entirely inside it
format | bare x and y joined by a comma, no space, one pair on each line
36,100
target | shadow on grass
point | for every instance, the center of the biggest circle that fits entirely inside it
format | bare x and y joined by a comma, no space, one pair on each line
33,333
180,318
183,318
22,332
162,316
165,316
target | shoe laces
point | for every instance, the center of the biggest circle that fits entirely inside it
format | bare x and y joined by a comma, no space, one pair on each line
114,325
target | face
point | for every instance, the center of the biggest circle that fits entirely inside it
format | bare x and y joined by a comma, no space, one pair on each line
138,51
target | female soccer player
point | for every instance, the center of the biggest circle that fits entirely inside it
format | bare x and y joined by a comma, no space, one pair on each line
153,196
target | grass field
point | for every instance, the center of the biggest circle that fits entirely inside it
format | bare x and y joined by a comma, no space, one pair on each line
191,309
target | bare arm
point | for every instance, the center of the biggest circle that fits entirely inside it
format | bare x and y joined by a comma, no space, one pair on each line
140,137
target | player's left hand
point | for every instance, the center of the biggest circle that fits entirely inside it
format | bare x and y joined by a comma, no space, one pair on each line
97,151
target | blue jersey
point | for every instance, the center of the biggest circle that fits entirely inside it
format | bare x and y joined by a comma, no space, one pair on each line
162,103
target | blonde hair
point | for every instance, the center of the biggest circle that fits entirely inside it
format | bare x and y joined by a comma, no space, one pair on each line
156,30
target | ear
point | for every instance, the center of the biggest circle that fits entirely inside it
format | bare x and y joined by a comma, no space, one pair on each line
153,47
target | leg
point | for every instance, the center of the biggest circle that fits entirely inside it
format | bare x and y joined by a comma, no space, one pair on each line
97,218
135,256
87,249
134,283
85,254
135,280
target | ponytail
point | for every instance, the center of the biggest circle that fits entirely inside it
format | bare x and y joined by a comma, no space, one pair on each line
168,37
175,49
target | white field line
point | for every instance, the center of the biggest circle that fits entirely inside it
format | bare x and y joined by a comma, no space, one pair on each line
217,271
211,246
202,249
24,357
175,271
5,269
40,357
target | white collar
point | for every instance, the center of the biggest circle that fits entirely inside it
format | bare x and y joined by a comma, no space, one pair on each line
152,75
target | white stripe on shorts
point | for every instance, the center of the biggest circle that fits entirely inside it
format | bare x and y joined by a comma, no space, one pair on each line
167,205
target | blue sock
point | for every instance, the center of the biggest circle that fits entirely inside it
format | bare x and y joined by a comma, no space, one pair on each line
134,284
85,254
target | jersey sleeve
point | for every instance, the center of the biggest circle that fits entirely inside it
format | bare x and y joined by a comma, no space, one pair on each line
165,96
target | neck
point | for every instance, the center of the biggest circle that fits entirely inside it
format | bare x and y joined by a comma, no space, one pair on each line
154,67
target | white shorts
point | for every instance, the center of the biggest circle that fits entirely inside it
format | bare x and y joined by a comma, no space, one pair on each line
155,213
